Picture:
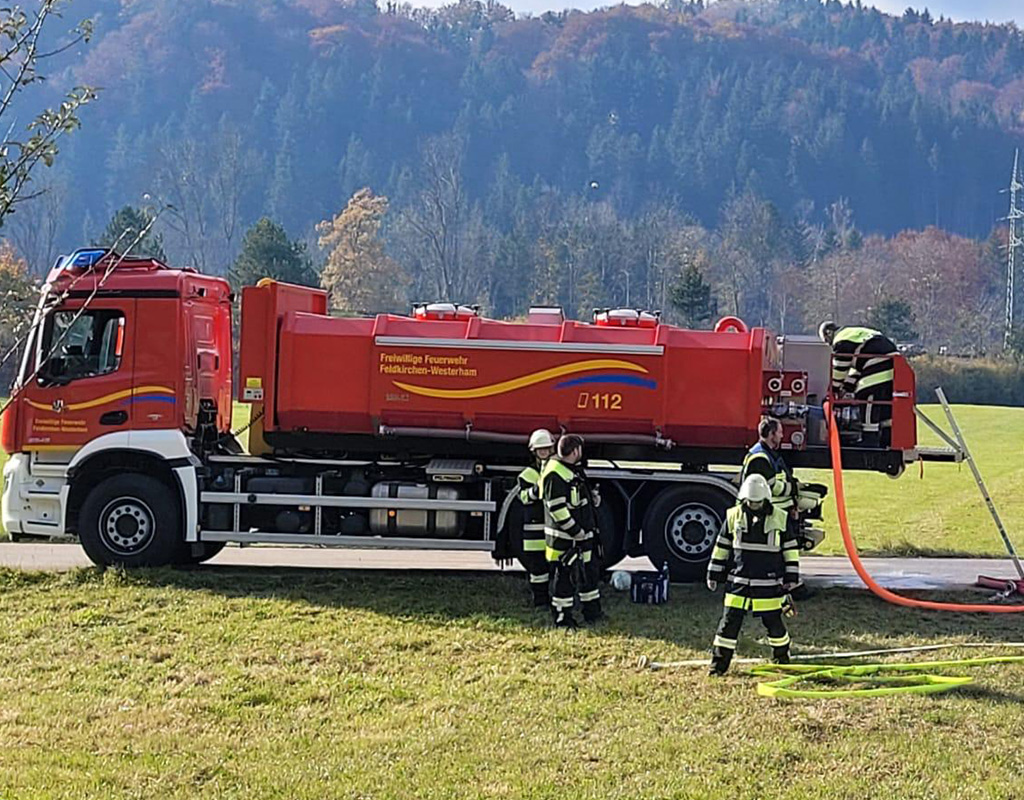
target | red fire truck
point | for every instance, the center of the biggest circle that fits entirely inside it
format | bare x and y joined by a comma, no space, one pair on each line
386,431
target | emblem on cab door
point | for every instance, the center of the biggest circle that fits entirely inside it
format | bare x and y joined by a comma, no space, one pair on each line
58,406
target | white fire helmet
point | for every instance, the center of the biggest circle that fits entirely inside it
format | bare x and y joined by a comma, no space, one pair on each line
540,439
826,331
755,489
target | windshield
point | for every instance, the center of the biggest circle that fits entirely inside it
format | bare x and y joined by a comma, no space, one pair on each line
80,345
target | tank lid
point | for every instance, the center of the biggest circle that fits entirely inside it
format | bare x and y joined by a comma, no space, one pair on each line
444,311
626,318
546,315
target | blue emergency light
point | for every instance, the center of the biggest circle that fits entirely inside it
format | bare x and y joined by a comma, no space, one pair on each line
88,258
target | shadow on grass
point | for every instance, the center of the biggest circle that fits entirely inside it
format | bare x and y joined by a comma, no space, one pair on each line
830,620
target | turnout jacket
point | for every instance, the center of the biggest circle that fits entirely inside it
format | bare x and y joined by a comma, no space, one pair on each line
762,460
568,511
755,554
529,495
852,370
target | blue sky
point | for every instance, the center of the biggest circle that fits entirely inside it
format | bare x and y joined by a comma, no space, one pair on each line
992,10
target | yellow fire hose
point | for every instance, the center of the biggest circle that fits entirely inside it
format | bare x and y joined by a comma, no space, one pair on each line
923,682
917,678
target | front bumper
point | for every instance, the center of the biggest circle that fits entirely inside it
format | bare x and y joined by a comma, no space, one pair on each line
32,504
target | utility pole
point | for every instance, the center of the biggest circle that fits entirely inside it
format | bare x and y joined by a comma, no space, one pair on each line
1013,242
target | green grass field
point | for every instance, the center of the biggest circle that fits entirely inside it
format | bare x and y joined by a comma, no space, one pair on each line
943,513
315,684
257,683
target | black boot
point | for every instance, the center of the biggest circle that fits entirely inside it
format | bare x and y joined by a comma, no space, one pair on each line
780,655
541,597
721,657
563,618
592,612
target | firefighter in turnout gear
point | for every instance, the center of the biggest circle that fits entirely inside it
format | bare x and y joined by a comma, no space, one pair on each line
570,527
801,500
763,459
759,560
542,446
862,365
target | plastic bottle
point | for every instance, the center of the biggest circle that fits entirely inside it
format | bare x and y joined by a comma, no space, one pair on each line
664,581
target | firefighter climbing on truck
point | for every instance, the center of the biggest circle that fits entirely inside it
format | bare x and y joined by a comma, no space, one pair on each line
542,447
862,366
570,534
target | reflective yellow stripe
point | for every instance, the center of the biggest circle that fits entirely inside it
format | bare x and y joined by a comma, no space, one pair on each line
534,545
752,603
551,554
766,604
854,334
556,466
719,554
791,555
728,644
782,642
530,475
561,514
868,381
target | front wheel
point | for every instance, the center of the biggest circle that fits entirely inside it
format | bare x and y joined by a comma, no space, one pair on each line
132,521
680,528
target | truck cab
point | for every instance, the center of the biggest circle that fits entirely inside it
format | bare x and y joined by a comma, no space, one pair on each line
127,367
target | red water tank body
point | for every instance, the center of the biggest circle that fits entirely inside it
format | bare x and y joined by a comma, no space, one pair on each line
448,374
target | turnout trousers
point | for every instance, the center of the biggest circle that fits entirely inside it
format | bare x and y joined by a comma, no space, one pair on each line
769,610
535,561
574,572
874,390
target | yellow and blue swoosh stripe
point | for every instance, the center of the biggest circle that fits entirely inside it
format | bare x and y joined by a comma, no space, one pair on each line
619,380
533,378
163,394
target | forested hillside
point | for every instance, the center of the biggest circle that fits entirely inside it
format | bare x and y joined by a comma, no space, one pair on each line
772,150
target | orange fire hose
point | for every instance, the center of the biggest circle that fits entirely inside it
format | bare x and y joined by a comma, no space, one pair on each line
858,565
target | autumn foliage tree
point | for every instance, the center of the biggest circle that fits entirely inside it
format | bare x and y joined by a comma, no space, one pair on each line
17,297
359,274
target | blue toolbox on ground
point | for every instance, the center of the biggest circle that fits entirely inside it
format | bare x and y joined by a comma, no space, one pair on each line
650,587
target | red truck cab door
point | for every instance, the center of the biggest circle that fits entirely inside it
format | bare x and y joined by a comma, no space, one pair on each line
84,385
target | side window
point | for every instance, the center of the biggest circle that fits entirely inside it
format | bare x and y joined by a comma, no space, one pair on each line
77,346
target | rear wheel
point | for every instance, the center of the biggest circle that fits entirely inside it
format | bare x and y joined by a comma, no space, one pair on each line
680,528
132,521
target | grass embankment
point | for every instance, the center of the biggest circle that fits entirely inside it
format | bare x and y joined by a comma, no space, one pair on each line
228,683
944,513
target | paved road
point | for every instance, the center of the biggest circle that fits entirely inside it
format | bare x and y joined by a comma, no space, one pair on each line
895,573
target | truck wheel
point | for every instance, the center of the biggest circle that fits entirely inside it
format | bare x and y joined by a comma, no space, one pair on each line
680,527
133,521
